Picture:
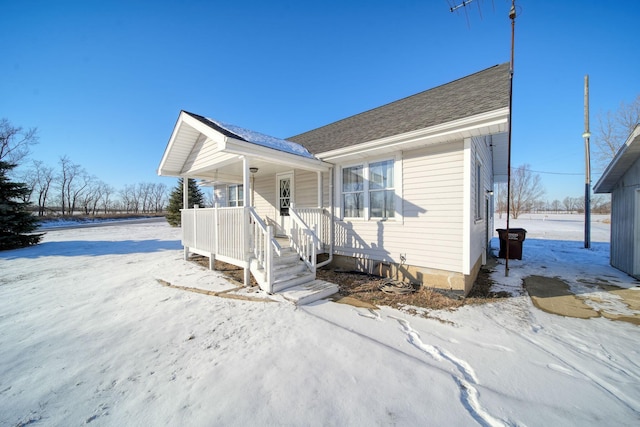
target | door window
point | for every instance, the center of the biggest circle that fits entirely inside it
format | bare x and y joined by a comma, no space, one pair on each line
285,196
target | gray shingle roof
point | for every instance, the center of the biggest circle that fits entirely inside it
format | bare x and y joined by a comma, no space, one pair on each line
477,93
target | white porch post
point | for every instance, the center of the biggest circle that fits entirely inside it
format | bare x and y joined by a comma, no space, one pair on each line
216,234
185,192
320,229
320,190
246,203
185,205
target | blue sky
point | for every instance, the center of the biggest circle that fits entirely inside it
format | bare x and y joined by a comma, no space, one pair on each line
104,81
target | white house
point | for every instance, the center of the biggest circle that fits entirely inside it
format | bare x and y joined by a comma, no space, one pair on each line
621,178
403,189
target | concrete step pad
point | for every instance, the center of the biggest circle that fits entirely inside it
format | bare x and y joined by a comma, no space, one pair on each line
309,292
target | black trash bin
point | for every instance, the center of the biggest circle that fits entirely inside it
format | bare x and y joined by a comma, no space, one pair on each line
514,237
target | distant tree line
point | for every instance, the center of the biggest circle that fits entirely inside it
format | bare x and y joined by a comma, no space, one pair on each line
527,196
67,188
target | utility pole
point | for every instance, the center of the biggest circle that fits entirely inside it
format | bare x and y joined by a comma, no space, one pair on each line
587,175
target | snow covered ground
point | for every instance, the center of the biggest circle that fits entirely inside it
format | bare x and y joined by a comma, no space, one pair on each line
89,336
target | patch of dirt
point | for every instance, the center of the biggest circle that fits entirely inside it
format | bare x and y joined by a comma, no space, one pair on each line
365,288
358,288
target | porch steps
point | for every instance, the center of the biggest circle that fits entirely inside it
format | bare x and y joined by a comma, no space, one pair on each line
288,279
294,281
309,292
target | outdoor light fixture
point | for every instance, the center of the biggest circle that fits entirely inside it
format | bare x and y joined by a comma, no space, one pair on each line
489,192
253,170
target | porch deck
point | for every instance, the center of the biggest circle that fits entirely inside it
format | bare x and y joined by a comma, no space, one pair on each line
240,237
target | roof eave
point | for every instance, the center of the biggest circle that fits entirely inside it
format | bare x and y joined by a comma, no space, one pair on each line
244,148
494,121
628,153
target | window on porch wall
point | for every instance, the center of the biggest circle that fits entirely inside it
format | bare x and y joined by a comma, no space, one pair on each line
236,196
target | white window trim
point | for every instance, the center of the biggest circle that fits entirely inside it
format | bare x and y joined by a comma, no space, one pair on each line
237,200
397,188
478,209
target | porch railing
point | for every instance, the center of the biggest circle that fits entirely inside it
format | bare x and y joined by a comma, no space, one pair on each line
303,240
240,237
263,246
198,229
216,231
319,220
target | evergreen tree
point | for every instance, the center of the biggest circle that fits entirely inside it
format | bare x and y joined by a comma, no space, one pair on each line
16,222
175,201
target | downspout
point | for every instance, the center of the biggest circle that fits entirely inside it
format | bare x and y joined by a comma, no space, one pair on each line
332,223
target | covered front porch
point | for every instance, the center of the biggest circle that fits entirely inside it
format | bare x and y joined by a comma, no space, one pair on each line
264,189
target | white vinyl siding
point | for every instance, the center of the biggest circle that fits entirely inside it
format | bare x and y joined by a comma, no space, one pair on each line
204,153
306,192
480,165
430,230
264,196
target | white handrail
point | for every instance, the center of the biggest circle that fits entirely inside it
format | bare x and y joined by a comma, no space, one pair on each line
303,240
264,227
263,246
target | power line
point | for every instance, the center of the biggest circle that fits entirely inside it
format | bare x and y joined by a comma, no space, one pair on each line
556,173
560,173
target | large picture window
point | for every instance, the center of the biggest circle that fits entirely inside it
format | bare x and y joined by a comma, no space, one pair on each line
236,196
368,190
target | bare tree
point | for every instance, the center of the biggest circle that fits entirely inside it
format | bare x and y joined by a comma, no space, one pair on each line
526,189
555,205
569,203
72,182
501,198
159,196
39,178
15,142
90,195
107,191
127,197
613,129
601,203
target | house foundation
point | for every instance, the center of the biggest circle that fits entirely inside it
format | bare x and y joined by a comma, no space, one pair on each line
429,277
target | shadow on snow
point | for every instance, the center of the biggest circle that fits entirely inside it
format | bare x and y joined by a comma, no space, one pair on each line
92,248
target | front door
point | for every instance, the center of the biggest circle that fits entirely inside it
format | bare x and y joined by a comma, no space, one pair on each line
285,198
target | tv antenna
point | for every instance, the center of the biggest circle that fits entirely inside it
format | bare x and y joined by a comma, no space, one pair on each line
454,7
512,17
